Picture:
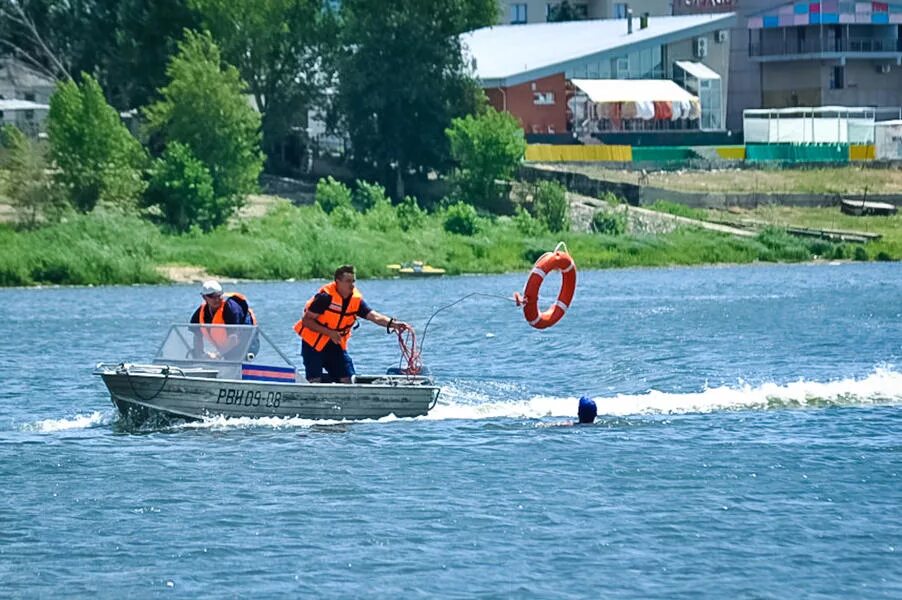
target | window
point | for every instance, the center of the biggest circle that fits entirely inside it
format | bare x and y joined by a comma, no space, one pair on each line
518,14
838,78
622,68
543,98
29,97
620,10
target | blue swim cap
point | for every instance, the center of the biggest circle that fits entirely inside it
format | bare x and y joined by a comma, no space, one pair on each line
587,410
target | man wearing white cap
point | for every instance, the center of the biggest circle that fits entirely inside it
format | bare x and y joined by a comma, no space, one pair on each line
220,309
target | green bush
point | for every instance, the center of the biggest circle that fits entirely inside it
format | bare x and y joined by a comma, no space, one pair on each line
182,187
860,253
330,194
609,223
527,224
367,195
779,245
345,217
486,147
382,216
409,214
97,159
612,198
551,206
27,180
461,218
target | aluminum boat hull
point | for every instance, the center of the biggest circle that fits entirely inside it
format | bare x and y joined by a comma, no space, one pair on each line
139,391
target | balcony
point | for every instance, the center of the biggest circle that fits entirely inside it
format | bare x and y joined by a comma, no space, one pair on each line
801,48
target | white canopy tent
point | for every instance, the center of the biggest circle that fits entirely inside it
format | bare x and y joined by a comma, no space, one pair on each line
632,90
888,139
807,125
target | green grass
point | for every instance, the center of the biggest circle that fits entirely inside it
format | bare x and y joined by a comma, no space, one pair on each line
889,246
849,180
680,210
292,242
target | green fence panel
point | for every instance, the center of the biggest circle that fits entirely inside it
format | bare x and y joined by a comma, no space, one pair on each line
797,153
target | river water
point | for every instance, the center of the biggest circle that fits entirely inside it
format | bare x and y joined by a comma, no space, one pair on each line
749,444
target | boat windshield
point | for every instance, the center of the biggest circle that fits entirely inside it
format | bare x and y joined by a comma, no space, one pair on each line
223,347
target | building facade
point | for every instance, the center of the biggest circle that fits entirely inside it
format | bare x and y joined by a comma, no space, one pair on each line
24,96
528,70
827,52
512,12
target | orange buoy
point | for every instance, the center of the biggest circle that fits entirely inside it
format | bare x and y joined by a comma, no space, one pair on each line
550,261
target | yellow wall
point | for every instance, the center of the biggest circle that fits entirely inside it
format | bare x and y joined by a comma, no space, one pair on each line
862,152
731,152
556,153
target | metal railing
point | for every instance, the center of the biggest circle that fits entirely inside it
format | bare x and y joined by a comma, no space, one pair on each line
792,47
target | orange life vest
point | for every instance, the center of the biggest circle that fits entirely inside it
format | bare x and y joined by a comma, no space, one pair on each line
334,318
218,335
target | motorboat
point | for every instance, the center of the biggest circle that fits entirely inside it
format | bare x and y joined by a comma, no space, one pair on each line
416,268
203,371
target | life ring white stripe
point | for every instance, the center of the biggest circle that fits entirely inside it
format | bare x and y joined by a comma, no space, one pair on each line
561,305
536,320
539,272
570,268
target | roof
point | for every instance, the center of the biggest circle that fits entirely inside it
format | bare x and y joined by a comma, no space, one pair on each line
697,69
21,75
808,110
632,90
505,55
22,105
892,123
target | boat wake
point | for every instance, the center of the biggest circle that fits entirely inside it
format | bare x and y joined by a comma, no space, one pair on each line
488,400
883,386
95,419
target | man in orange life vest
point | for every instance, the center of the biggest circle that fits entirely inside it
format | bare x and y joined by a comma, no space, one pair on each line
220,309
326,327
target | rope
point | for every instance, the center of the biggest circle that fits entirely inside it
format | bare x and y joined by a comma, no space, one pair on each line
128,378
407,340
447,306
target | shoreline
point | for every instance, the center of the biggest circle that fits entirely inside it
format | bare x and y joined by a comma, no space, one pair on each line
525,273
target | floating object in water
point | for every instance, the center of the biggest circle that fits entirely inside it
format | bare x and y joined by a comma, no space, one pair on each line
587,410
416,268
559,260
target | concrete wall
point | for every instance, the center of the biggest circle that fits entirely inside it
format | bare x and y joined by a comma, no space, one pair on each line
793,83
865,85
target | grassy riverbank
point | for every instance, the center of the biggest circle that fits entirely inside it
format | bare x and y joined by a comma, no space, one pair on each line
291,242
848,180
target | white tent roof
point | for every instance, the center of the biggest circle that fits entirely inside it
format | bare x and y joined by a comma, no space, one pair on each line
509,53
22,105
892,123
632,90
697,69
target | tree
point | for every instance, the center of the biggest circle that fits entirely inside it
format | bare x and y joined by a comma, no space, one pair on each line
125,44
98,160
486,147
204,107
284,51
28,184
183,189
403,79
564,11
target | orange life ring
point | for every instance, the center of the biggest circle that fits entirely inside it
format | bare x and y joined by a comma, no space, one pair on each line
548,262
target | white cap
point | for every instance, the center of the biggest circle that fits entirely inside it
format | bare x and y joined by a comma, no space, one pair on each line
211,287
